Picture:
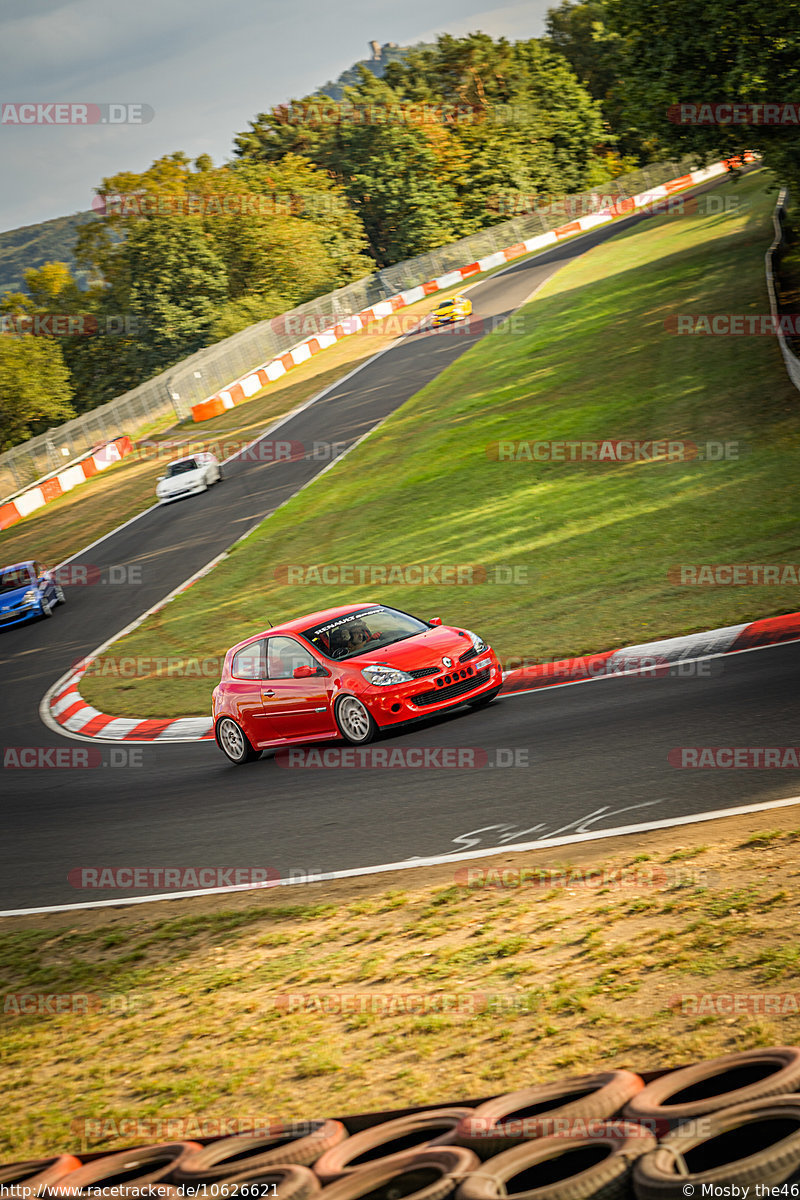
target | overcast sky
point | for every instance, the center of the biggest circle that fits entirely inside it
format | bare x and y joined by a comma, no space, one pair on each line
205,69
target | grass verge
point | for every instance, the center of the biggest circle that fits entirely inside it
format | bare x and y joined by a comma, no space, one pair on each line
594,544
544,981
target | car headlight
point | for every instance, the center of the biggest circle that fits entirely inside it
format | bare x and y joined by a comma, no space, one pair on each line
385,676
478,643
31,597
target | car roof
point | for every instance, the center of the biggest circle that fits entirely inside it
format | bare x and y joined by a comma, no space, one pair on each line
316,618
186,458
15,566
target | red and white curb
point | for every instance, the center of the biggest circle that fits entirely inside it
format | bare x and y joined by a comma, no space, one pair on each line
251,383
50,489
649,657
65,710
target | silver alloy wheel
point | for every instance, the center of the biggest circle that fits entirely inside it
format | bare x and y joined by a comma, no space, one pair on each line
60,597
354,720
46,607
231,739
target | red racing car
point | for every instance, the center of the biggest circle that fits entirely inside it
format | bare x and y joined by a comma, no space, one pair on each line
348,672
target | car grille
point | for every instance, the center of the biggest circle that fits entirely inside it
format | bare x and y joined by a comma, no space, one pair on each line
469,654
423,671
457,687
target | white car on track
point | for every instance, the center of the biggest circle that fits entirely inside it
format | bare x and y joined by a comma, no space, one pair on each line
188,476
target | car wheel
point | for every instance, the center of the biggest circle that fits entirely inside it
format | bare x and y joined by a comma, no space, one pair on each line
46,607
482,701
354,721
233,742
60,597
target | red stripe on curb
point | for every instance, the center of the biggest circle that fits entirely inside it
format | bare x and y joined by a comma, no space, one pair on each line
96,724
430,287
149,730
769,631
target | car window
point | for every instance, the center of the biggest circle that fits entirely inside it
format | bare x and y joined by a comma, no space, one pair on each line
248,663
17,578
284,654
363,631
180,468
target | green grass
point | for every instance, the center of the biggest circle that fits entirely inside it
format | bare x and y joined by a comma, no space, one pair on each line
595,541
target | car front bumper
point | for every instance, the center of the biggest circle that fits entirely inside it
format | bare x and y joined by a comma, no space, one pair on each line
427,696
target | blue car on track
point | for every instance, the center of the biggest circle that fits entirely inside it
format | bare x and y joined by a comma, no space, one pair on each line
27,590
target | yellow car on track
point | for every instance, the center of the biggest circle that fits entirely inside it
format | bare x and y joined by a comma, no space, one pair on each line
456,308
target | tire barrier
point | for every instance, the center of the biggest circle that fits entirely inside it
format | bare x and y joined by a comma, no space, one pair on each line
140,1167
564,1168
300,1143
416,1175
730,1120
39,1172
753,1143
719,1083
383,1143
549,1109
289,1182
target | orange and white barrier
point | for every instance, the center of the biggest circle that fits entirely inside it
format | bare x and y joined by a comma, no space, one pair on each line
248,385
50,489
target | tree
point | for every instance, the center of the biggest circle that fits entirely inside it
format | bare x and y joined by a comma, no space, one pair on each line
578,30
718,53
35,391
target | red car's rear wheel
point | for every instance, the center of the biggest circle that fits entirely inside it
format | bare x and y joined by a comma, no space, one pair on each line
233,742
354,721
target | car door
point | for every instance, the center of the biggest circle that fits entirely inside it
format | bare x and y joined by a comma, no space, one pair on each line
243,693
296,708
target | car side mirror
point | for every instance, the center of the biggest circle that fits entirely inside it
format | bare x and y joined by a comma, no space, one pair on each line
304,672
160,477
435,621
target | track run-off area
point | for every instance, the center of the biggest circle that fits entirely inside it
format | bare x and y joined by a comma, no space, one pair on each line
567,763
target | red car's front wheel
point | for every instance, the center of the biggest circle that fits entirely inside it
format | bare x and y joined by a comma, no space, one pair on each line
354,721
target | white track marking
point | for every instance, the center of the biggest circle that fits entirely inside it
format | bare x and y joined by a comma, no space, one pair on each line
432,861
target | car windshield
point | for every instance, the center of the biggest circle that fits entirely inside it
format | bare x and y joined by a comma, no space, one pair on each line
11,580
363,631
180,468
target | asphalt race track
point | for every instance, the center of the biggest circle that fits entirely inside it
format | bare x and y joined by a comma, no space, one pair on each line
589,756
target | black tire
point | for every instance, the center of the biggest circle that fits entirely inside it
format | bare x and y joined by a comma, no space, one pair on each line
231,737
46,607
60,596
746,1144
718,1083
482,701
596,1167
352,716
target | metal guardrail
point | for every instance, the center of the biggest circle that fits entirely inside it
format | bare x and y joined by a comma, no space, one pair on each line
194,379
772,261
